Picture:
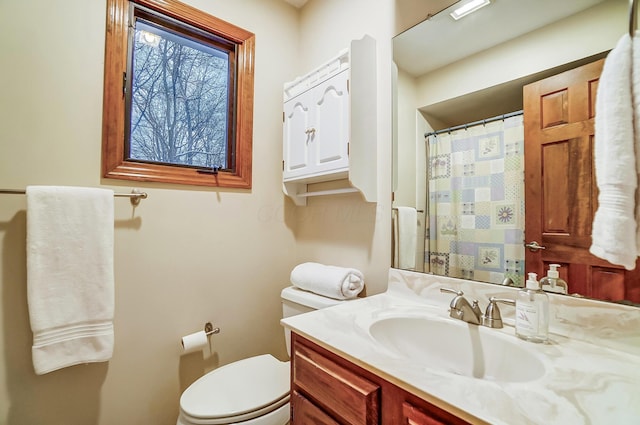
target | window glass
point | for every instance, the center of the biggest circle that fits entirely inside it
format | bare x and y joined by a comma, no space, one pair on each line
179,99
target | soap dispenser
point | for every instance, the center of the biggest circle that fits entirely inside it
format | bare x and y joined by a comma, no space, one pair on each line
532,312
553,282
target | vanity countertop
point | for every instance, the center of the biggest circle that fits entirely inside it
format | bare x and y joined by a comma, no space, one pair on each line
584,383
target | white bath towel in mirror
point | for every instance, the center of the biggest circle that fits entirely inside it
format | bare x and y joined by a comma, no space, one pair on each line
406,227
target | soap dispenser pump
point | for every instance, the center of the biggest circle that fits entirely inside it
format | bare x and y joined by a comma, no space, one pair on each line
532,312
553,282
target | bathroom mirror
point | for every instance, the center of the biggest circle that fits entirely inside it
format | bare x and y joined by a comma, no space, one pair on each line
456,73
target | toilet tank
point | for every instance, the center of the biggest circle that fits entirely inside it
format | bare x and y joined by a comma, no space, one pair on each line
297,301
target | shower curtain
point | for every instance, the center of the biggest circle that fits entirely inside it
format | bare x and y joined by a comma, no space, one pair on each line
476,202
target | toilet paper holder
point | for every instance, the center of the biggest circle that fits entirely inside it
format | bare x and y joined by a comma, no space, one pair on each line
198,340
210,330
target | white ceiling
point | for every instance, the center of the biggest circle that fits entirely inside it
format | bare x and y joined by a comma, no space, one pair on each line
440,40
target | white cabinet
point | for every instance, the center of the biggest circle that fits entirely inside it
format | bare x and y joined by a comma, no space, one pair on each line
316,131
330,125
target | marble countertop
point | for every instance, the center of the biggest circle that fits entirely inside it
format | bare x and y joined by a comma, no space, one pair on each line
584,382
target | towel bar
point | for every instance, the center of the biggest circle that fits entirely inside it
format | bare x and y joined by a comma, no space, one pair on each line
396,209
134,196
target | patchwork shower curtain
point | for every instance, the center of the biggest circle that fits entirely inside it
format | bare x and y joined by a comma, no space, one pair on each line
476,202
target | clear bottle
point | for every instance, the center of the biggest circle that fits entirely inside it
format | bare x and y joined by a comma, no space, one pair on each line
532,312
553,282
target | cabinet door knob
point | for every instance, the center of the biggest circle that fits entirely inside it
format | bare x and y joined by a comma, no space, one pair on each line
310,130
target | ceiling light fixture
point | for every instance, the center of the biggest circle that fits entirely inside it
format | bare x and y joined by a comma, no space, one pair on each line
148,38
468,8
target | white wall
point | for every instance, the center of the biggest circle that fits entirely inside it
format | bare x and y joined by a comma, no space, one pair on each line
185,256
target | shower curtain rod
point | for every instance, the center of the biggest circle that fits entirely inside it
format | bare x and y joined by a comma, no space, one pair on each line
471,124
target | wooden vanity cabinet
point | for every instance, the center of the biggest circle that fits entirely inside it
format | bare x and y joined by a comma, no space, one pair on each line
327,389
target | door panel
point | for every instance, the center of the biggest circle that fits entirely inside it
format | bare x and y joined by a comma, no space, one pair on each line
332,121
296,136
560,186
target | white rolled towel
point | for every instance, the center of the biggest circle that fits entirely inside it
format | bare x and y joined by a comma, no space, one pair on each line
341,283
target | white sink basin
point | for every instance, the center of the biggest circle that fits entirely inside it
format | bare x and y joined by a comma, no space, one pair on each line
453,346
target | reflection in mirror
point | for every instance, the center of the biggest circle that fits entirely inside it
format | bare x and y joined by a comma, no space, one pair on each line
475,209
468,181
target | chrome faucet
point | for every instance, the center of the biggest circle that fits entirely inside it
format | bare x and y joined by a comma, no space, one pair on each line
508,282
461,309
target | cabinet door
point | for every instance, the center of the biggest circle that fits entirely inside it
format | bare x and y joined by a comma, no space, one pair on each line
331,122
316,130
297,135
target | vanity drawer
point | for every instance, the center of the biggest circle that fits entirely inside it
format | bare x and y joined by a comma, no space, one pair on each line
304,412
412,415
346,396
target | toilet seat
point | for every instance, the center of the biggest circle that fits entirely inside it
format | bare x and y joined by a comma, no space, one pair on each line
236,392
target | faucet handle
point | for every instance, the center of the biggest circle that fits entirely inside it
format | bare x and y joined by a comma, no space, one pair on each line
452,291
454,302
492,317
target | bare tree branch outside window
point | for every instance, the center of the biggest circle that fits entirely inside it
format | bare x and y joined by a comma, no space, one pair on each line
179,100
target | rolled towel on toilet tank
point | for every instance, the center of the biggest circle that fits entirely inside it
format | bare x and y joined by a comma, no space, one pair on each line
341,283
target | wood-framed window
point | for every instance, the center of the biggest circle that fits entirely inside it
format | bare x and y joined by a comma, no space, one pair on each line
178,96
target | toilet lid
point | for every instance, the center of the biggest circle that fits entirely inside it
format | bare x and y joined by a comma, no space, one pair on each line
237,388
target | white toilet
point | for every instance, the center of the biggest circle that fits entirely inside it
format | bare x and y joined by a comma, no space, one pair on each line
253,391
